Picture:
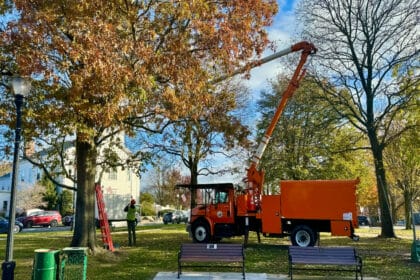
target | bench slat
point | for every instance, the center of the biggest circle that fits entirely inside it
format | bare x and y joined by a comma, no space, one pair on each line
211,253
327,256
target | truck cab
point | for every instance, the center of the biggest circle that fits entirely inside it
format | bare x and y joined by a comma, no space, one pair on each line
213,211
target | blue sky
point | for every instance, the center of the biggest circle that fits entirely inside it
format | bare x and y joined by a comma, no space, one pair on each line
286,6
284,25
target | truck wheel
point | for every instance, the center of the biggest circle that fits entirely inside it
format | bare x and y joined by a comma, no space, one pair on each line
303,236
201,232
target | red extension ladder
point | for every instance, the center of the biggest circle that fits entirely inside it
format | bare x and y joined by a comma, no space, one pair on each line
103,219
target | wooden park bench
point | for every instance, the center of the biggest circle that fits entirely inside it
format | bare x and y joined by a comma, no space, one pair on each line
332,258
207,255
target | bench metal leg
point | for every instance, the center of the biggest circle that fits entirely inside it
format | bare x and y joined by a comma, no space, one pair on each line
179,269
359,267
290,270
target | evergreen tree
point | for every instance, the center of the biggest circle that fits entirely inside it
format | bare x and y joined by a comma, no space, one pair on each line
66,203
147,204
50,195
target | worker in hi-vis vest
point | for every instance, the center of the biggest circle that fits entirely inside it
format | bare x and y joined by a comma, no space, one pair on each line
131,222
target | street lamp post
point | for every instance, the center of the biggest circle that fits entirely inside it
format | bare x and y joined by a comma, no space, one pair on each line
21,88
415,246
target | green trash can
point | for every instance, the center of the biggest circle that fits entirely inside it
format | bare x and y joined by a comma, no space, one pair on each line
74,263
415,251
45,264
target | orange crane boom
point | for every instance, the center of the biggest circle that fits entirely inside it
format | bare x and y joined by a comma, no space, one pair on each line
255,177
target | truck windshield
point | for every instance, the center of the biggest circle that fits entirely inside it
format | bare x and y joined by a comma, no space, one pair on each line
211,196
221,197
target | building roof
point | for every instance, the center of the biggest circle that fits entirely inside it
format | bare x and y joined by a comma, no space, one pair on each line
5,168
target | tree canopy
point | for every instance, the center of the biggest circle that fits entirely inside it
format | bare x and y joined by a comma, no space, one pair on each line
199,138
310,141
102,66
361,43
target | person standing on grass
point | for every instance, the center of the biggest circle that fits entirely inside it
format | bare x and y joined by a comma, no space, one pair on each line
131,222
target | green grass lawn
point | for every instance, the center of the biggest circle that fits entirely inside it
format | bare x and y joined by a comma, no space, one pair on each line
157,248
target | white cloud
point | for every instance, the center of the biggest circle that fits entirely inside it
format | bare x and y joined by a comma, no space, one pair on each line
280,33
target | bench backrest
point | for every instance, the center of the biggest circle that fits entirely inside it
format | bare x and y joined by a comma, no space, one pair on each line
220,249
342,253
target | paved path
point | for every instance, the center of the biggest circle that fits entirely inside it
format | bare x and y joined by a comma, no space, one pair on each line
238,276
217,276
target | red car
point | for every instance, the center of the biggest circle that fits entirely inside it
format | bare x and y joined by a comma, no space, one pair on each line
43,218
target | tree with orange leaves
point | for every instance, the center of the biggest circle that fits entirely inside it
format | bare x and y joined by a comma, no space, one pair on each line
99,66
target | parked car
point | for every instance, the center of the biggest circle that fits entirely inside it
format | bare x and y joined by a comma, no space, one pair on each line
179,217
29,212
68,220
43,218
400,223
167,218
416,217
364,220
4,226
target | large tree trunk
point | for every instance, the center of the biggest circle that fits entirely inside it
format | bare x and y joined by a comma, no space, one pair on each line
393,201
387,228
85,230
407,208
194,180
194,173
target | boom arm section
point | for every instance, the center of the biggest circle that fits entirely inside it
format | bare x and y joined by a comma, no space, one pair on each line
257,63
255,177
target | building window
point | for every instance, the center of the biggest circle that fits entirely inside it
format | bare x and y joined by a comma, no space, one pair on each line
4,205
112,175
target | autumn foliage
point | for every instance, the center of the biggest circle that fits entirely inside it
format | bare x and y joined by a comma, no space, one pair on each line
135,53
97,64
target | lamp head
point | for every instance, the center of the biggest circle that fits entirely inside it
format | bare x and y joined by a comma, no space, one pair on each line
21,86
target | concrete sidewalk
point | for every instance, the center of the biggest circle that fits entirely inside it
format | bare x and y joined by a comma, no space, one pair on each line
238,276
218,276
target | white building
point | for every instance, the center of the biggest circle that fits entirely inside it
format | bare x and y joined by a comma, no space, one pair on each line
118,186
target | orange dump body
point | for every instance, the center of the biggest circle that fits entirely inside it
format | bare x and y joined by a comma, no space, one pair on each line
325,205
319,200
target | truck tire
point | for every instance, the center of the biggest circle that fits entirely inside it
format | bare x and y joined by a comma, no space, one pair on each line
201,232
303,236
